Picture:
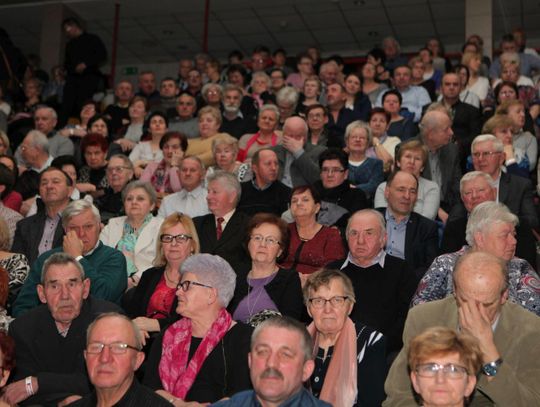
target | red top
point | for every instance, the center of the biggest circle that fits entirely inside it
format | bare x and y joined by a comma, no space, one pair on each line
161,300
13,200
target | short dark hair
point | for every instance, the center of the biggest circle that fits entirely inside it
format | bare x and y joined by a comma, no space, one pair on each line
316,106
378,53
300,189
236,53
7,178
71,21
146,126
62,160
395,93
69,181
97,117
237,68
334,154
379,110
457,68
498,88
172,135
272,219
279,51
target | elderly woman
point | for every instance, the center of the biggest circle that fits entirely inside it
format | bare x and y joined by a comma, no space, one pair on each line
266,289
311,92
267,136
383,146
154,301
165,175
490,228
92,176
286,101
119,173
443,366
135,234
260,86
203,356
15,264
312,245
225,151
402,127
412,157
212,94
147,151
350,363
209,123
365,173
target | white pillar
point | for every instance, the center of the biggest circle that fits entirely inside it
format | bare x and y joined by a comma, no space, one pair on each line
479,20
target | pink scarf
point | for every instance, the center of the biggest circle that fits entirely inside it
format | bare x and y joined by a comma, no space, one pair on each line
340,383
177,375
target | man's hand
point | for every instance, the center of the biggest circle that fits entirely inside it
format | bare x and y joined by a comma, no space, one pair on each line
175,401
72,244
473,319
15,392
291,144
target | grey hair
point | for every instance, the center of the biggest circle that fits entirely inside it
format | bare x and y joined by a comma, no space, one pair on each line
377,214
358,124
194,158
289,324
127,162
262,75
486,215
60,258
48,108
38,140
207,87
226,139
228,181
136,331
393,40
272,108
230,87
473,175
147,186
288,95
430,121
482,138
214,271
76,208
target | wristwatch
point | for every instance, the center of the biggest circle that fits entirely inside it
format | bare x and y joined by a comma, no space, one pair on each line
490,369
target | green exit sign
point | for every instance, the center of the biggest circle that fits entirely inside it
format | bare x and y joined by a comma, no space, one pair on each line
130,70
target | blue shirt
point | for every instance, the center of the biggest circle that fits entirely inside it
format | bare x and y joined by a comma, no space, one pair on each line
396,231
248,398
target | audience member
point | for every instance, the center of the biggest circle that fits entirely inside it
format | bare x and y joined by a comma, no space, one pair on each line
185,121
266,136
118,112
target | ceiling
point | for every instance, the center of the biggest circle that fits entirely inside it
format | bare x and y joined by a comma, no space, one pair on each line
161,31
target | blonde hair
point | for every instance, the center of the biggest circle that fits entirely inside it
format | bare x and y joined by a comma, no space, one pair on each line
169,222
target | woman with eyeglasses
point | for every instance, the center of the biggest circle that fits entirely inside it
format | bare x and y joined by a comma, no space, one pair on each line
203,356
135,233
264,288
443,366
350,358
153,302
312,245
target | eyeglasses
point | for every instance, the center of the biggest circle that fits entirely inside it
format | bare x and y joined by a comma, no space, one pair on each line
269,240
336,301
116,169
449,370
485,154
181,238
184,285
116,348
329,171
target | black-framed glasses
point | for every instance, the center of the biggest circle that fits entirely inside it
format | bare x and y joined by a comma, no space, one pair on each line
337,301
449,370
116,348
184,285
181,238
328,170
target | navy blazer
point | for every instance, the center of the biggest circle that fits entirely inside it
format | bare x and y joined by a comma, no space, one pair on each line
517,193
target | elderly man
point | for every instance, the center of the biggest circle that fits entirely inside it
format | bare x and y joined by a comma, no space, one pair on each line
104,266
490,229
34,152
50,338
508,336
147,88
264,193
276,381
185,122
117,113
297,159
235,122
411,236
466,119
222,231
383,284
513,191
43,231
113,354
475,187
191,199
338,200
414,97
45,120
528,63
442,166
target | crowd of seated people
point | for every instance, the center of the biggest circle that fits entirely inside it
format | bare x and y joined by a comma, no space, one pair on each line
365,202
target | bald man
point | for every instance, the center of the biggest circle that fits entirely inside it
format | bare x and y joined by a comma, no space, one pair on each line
507,334
298,160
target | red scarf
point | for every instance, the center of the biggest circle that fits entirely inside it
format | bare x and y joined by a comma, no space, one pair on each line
243,153
176,373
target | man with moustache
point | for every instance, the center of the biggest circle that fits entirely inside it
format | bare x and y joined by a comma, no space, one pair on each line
50,338
235,122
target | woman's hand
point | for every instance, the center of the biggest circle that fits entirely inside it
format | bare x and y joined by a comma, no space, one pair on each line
85,187
126,144
147,324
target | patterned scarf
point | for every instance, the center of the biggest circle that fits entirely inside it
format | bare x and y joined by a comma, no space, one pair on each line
160,179
128,241
176,373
